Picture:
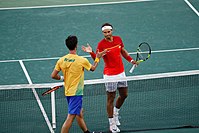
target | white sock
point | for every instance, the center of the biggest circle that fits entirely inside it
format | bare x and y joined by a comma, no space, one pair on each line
116,110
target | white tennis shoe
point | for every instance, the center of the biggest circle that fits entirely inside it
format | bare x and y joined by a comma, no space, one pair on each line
114,129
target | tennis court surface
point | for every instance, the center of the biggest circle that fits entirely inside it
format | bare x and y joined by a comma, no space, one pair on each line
163,91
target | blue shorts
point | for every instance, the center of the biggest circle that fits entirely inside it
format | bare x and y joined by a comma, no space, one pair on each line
74,104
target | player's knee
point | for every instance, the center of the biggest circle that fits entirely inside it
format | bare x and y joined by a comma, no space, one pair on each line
110,100
82,113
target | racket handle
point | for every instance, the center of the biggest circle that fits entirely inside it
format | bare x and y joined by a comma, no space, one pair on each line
131,70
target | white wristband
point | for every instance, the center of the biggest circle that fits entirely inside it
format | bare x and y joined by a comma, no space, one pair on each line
132,60
61,77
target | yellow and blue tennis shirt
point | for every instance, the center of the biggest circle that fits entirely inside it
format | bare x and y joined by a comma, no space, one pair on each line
72,67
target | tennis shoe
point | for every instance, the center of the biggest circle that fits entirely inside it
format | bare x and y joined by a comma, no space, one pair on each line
114,129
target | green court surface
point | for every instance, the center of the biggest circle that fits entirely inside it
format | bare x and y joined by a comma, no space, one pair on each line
34,37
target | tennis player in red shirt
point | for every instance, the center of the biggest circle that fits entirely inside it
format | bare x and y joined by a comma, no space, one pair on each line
113,69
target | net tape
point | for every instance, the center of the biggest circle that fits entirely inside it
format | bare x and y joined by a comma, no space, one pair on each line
100,81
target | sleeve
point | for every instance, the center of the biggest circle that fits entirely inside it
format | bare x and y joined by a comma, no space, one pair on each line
99,47
57,66
86,64
121,42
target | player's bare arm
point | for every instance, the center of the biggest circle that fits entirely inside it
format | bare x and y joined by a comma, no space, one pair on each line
97,59
89,50
126,55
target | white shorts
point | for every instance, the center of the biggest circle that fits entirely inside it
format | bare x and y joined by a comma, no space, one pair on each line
114,82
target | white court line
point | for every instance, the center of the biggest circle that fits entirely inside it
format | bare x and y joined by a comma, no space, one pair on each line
88,56
174,50
36,96
70,5
191,6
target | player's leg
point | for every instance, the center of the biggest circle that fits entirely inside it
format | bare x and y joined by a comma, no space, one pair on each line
81,122
67,124
110,105
74,109
111,88
123,93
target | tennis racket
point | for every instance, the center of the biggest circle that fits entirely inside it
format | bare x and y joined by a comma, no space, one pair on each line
51,90
143,54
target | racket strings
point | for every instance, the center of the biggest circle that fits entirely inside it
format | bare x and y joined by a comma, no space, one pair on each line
143,52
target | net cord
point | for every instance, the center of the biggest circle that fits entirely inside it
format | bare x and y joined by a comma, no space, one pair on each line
100,81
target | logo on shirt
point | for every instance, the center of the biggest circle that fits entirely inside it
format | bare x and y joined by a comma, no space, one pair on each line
69,60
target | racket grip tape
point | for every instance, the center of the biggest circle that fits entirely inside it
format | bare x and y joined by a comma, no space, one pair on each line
131,70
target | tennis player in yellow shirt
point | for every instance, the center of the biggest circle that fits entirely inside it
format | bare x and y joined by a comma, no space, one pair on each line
72,67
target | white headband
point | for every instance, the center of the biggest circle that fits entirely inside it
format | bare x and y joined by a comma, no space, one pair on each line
106,28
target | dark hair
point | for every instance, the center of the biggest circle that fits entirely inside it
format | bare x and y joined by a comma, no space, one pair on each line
71,42
106,24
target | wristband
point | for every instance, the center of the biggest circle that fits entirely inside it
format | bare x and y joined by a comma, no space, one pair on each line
134,62
129,58
97,60
61,77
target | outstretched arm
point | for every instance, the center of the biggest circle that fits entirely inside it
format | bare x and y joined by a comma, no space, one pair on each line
97,59
89,50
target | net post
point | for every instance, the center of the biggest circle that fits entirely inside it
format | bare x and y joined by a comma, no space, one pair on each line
53,110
